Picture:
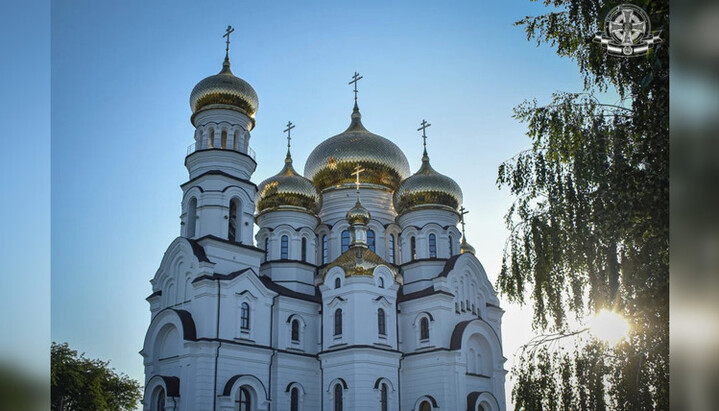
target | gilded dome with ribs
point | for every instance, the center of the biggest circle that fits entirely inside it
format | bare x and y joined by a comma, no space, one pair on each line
332,162
427,188
287,189
224,88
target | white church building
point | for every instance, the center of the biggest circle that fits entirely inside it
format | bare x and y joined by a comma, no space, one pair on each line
356,290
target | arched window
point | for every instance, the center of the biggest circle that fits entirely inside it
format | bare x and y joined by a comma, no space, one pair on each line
243,400
380,282
160,400
191,217
235,145
232,222
245,316
294,399
432,246
345,240
304,249
223,139
338,283
391,249
338,322
324,249
370,240
295,330
211,140
267,248
383,400
424,329
338,397
284,250
451,247
425,406
381,322
413,249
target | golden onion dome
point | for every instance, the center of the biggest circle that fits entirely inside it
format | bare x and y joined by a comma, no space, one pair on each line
427,188
465,247
358,214
332,162
224,89
287,190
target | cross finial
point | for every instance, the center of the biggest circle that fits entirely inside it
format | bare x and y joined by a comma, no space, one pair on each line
288,130
356,173
423,128
354,81
228,31
462,212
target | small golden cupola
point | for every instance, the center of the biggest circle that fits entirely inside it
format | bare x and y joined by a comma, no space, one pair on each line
427,188
224,90
287,190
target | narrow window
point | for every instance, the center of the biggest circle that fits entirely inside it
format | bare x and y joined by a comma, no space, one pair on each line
223,139
245,316
244,402
432,246
424,329
338,322
451,247
284,250
338,283
413,249
211,140
267,248
304,249
380,282
295,330
234,141
191,217
294,399
391,249
381,322
232,222
425,406
338,397
345,240
324,249
383,398
161,400
370,240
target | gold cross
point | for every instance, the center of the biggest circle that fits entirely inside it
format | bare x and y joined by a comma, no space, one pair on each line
289,128
228,31
424,126
354,81
462,212
357,172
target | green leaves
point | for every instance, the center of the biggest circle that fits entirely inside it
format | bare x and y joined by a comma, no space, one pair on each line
79,383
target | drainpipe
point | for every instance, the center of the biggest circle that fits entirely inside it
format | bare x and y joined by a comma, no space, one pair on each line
217,354
274,350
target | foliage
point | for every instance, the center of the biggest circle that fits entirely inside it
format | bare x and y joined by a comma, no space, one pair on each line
590,221
79,383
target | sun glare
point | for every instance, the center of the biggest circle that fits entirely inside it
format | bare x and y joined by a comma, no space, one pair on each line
609,327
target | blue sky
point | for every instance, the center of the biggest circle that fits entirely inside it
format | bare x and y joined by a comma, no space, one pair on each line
121,77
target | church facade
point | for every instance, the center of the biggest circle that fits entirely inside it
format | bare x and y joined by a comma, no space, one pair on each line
356,290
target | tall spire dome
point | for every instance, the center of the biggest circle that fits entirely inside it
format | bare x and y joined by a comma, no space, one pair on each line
224,90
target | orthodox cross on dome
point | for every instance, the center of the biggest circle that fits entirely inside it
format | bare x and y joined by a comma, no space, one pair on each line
288,130
228,31
423,128
354,81
462,212
357,172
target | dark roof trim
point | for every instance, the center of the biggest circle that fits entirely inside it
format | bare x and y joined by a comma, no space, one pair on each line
218,173
349,347
449,265
284,291
172,384
257,346
493,305
289,261
223,240
432,400
421,293
455,342
472,398
221,277
378,382
289,386
189,332
344,383
199,251
420,228
155,294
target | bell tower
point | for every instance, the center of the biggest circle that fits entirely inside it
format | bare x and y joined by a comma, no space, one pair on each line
218,198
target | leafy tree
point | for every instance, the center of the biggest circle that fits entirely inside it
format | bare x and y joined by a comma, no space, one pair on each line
589,227
79,383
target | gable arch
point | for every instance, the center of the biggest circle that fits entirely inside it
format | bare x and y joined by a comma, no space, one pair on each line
235,382
179,319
